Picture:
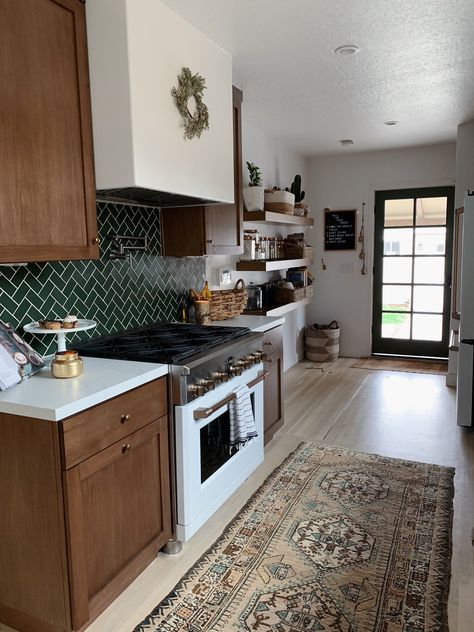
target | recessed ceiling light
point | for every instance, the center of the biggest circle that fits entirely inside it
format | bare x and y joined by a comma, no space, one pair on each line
345,142
390,123
347,49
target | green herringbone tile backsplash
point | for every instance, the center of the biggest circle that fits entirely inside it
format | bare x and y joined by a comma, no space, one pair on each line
114,293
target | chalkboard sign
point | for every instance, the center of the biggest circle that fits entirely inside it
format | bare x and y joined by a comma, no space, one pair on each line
340,229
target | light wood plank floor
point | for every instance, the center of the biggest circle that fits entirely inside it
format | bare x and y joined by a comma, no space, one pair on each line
408,415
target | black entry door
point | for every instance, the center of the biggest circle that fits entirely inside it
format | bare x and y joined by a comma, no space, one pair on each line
412,271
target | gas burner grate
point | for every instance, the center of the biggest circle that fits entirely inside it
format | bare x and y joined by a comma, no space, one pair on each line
169,343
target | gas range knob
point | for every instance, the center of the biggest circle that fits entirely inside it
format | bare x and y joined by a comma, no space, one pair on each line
256,357
221,376
196,389
207,383
235,369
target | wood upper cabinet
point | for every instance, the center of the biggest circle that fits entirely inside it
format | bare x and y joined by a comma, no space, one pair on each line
47,189
214,229
273,385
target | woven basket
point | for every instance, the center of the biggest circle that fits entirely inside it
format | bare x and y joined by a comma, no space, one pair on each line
298,252
284,295
279,202
228,303
322,342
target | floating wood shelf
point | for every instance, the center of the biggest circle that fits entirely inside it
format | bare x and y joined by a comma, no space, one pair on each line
268,266
278,310
267,217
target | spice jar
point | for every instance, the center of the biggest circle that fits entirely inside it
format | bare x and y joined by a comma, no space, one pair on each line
67,364
249,248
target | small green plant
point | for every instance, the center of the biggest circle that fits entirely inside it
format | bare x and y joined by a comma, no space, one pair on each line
296,189
255,176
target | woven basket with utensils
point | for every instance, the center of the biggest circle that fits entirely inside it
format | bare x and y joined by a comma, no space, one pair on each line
228,303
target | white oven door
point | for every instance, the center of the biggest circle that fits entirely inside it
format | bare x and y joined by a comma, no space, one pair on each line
206,473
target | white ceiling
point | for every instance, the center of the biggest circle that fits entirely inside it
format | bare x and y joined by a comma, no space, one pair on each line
416,65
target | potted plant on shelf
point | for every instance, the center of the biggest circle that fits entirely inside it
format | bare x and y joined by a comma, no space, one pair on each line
300,208
254,193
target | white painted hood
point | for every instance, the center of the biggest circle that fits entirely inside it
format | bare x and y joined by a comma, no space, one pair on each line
137,49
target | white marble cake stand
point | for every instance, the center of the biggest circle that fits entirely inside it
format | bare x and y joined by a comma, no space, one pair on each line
82,325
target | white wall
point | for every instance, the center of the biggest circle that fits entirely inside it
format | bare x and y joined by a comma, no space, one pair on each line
279,165
464,181
339,182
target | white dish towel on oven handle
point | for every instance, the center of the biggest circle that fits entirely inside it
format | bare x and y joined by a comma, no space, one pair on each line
242,422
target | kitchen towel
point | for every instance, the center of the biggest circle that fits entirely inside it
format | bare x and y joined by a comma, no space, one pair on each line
242,421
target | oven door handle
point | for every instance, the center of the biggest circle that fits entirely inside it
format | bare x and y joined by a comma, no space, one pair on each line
204,413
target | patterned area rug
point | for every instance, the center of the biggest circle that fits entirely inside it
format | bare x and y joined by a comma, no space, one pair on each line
399,364
333,541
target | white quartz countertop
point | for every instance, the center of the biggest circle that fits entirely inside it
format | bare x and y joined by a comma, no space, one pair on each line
255,323
45,397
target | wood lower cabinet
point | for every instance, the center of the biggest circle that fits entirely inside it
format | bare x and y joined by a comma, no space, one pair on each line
72,538
273,385
214,229
47,189
118,517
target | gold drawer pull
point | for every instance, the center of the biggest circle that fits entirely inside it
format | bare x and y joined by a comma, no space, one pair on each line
126,447
124,418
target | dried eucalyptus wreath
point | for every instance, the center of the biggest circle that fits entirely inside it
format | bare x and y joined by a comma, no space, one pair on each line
190,85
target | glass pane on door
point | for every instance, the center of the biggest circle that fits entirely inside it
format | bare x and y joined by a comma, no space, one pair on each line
396,325
396,298
397,269
398,241
429,270
427,298
399,212
430,241
431,211
427,327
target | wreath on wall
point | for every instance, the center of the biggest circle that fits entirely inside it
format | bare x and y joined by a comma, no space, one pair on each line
191,86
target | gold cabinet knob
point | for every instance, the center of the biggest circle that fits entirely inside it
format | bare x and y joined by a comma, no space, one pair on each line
96,241
125,447
124,418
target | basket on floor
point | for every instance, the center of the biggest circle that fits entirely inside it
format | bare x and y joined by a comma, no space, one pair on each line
322,342
228,303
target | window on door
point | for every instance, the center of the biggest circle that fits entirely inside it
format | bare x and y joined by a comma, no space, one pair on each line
412,271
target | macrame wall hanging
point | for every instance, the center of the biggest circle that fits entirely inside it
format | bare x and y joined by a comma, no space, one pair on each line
188,95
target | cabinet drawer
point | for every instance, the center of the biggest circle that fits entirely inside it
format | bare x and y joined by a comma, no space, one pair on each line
98,427
273,340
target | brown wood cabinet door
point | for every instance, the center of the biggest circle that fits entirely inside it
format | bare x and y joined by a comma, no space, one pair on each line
224,227
273,395
183,232
118,517
47,189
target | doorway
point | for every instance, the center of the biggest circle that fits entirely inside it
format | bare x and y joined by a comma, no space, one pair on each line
412,271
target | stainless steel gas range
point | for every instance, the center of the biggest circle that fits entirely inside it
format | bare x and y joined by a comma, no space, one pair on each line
207,364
